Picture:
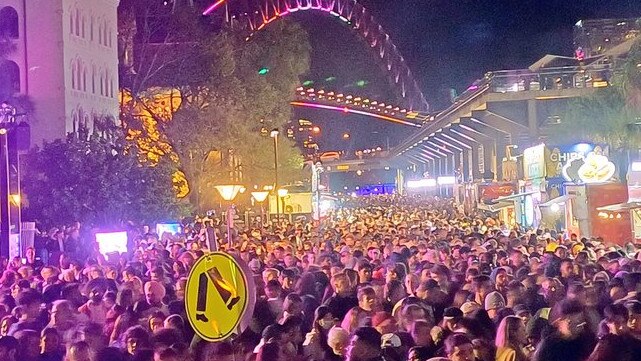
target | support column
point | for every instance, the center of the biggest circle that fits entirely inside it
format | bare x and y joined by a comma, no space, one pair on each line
475,172
489,157
533,120
465,167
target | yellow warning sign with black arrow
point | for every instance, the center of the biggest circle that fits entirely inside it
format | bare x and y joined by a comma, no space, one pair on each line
219,298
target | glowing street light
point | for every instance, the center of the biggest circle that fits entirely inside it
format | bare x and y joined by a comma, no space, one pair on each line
260,197
228,192
346,135
282,193
316,129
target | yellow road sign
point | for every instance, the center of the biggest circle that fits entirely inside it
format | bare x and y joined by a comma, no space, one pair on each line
218,298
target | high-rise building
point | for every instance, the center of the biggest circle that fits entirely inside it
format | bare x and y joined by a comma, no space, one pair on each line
65,59
597,36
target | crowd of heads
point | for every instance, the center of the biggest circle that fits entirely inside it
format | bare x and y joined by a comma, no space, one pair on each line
383,278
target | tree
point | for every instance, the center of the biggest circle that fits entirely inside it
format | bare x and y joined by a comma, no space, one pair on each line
219,130
96,182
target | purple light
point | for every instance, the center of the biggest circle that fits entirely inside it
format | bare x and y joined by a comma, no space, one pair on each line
354,111
213,7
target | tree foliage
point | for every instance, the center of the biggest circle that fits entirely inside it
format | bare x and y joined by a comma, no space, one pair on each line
96,182
214,132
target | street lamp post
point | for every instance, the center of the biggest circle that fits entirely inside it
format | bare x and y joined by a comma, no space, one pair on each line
282,193
274,134
260,197
7,122
229,192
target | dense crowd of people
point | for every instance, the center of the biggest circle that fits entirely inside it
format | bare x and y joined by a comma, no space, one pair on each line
385,278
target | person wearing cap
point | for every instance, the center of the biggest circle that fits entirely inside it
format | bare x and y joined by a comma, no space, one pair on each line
468,307
384,323
494,303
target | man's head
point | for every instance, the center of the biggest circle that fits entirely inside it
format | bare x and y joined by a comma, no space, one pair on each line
30,301
494,302
421,333
634,317
482,286
458,347
341,284
8,348
367,299
365,344
364,269
337,340
154,292
384,323
616,318
570,320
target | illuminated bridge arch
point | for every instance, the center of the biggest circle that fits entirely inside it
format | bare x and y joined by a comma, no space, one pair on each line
352,13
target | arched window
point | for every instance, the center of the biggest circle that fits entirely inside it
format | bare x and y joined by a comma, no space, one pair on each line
84,79
104,34
91,24
107,83
73,75
93,79
77,25
9,24
79,76
100,34
9,78
102,84
84,21
111,87
110,36
71,22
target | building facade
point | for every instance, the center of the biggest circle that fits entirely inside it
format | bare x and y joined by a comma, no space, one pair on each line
597,36
65,59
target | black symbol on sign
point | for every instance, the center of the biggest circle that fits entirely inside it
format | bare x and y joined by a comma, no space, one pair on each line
228,293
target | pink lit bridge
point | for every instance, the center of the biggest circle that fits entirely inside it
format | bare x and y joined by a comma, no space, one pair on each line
257,14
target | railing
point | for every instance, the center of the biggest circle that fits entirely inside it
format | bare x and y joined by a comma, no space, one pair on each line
576,77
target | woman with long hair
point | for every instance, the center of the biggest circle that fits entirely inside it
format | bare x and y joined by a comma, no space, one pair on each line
315,346
510,340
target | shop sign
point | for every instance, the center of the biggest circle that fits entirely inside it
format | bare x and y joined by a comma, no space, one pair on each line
534,162
560,155
492,191
593,168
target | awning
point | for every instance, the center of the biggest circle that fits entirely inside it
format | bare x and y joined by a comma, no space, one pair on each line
514,196
556,61
557,200
621,207
494,207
